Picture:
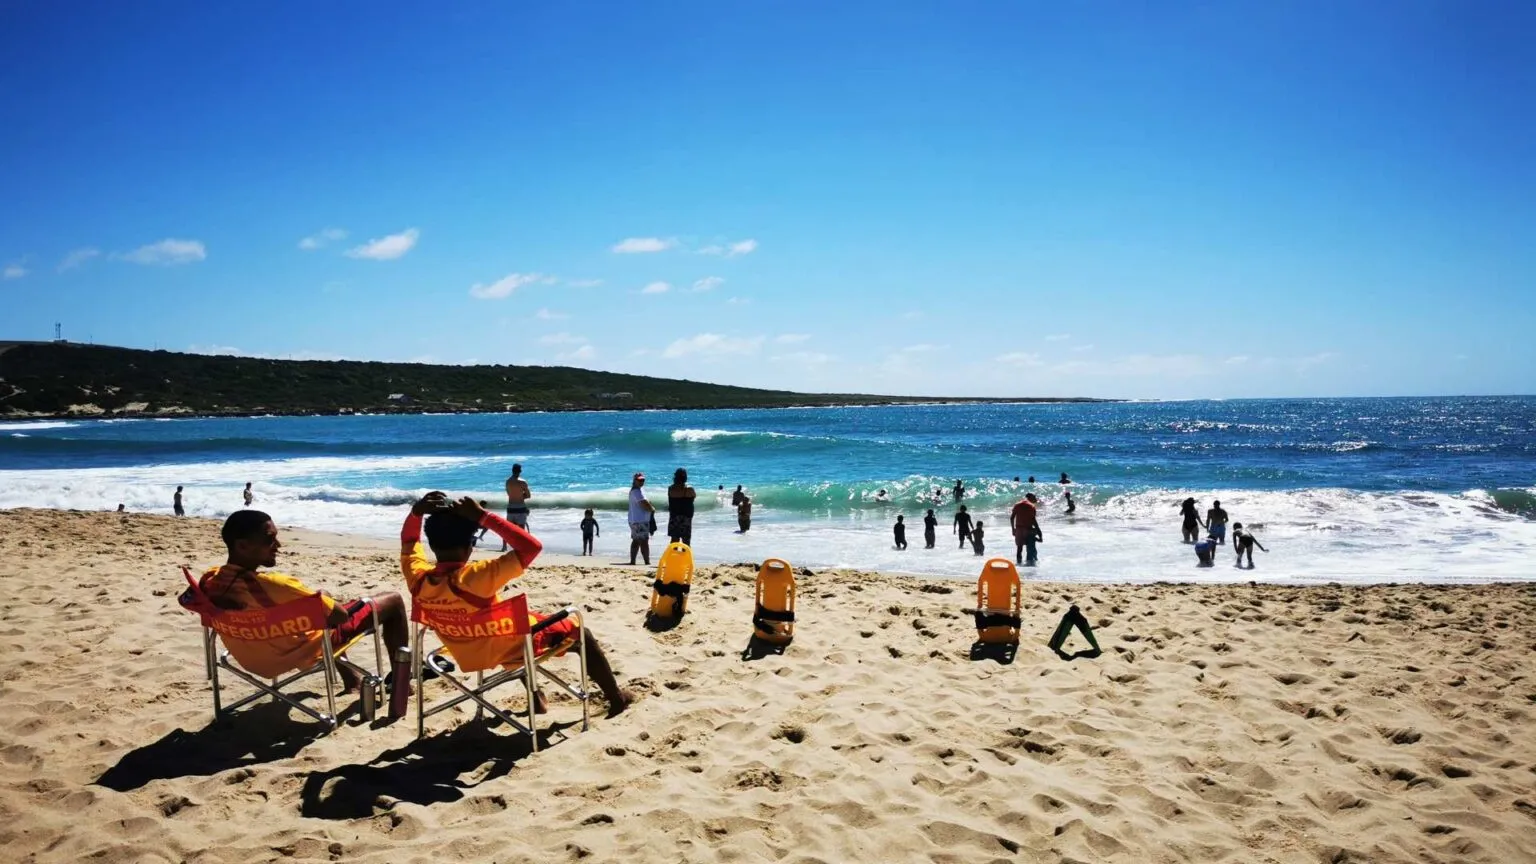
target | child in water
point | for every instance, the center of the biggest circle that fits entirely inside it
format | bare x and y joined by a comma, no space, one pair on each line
1243,542
589,530
1205,551
977,533
901,532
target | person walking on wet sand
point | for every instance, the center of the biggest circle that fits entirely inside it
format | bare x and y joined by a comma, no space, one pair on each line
930,530
1192,523
641,512
176,503
1025,522
589,530
963,526
900,530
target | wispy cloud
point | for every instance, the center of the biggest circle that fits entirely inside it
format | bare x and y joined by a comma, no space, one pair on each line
712,345
78,258
550,315
738,301
913,315
636,245
656,288
13,271
169,251
504,286
806,359
1236,360
1019,358
322,238
584,283
581,355
708,283
386,248
730,250
791,338
562,339
1058,337
1081,348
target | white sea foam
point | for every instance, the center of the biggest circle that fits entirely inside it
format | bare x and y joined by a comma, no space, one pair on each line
31,425
697,435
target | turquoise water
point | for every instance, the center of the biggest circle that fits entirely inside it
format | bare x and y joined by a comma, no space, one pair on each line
1347,489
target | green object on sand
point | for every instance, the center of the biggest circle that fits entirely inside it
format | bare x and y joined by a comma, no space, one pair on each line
1073,618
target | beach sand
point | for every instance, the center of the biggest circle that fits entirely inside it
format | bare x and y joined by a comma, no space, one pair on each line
1243,723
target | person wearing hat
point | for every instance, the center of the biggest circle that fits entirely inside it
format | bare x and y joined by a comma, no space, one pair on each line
641,511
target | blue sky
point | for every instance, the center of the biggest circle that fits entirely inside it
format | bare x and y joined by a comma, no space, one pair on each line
960,198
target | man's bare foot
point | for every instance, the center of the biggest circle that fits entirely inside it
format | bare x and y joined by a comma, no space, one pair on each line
616,706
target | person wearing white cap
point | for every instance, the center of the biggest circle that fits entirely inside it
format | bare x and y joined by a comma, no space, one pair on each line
640,510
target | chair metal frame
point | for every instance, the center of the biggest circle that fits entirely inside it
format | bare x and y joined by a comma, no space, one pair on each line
516,606
331,658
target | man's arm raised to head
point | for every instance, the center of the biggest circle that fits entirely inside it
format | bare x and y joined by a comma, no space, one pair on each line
519,542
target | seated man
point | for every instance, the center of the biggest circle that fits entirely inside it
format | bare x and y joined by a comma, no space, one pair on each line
458,584
251,539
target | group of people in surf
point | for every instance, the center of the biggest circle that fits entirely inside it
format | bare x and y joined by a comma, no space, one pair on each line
1023,524
1215,526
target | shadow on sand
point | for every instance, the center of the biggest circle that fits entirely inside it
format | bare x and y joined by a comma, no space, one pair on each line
264,733
757,649
1001,652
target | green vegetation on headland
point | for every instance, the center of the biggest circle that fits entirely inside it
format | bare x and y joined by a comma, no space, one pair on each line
60,379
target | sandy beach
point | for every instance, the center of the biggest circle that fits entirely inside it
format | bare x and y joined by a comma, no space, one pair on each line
1243,723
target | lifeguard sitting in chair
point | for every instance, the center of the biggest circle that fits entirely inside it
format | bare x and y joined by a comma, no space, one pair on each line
456,587
238,587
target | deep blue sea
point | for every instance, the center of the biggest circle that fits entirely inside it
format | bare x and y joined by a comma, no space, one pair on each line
1350,490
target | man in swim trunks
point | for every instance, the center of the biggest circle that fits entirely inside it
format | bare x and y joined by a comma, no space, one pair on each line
962,526
641,512
518,494
176,503
1025,522
251,540
930,530
1216,522
456,584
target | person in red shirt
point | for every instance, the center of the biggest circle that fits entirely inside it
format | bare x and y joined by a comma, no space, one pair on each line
457,583
1026,529
251,539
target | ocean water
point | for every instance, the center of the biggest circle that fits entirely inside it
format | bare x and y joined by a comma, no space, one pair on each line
1347,490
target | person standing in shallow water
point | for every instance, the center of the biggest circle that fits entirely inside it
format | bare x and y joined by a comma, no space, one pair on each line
248,496
641,512
963,526
1026,529
744,514
959,490
680,500
176,503
930,530
1216,523
518,494
1192,523
900,530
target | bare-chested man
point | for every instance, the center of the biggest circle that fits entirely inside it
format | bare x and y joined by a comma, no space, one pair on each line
518,494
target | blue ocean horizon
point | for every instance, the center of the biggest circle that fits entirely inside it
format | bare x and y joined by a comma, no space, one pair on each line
1355,490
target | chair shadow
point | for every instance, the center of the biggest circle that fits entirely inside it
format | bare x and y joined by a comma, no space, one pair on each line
263,733
1086,654
1001,652
426,771
758,648
661,623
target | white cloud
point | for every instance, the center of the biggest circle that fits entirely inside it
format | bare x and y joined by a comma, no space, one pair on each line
712,345
386,248
13,271
738,301
708,283
584,283
168,251
77,258
1237,360
322,238
656,288
550,315
920,348
583,354
634,245
730,250
1058,337
913,315
1080,348
1019,358
562,339
791,338
504,286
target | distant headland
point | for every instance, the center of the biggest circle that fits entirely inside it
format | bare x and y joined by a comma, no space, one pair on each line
64,379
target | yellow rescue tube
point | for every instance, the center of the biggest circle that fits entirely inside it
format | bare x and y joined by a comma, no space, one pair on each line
674,579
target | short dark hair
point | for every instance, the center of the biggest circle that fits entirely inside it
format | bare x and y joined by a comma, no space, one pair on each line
680,475
243,525
449,530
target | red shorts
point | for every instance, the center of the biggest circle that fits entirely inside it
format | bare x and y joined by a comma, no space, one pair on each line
359,621
552,636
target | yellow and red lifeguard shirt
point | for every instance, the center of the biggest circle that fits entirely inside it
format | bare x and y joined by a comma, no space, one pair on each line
469,587
232,587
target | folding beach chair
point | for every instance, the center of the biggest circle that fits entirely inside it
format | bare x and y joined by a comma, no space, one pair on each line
999,603
674,578
241,629
507,626
774,619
